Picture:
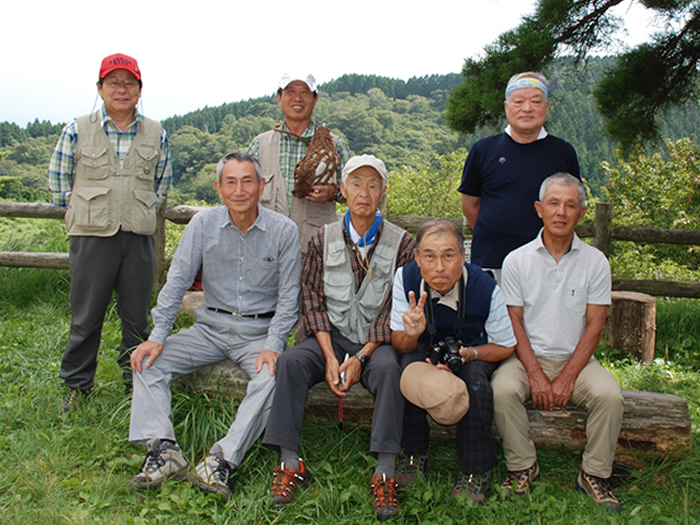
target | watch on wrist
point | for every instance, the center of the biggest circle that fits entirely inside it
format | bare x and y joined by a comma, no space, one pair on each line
362,358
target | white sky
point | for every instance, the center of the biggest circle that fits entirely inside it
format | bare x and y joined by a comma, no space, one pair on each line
210,52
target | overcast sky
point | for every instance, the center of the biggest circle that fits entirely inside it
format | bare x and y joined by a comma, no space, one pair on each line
209,52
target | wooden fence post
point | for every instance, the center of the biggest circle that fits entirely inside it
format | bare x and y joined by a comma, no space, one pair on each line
159,245
603,227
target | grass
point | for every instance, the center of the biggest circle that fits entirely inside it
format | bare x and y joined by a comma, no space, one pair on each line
76,468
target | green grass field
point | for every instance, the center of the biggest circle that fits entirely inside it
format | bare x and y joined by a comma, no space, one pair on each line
76,468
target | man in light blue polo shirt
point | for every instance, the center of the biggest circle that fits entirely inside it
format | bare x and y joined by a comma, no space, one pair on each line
557,290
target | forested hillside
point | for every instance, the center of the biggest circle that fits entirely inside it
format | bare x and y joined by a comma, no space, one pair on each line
399,121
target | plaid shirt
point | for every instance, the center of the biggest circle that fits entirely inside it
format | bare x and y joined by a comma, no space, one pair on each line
292,150
62,164
313,299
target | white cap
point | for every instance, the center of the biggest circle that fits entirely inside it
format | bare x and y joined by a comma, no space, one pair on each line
364,160
307,79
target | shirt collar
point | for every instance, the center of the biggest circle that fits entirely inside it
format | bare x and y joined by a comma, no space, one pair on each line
308,132
543,132
261,222
575,243
138,117
451,298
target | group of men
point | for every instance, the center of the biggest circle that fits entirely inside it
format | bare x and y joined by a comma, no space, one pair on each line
424,332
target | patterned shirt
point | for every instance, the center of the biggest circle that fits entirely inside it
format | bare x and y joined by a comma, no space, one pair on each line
62,164
292,150
313,299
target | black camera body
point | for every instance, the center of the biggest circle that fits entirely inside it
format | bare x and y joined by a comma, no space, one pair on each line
447,353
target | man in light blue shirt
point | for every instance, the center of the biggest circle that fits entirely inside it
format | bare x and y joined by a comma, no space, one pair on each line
251,266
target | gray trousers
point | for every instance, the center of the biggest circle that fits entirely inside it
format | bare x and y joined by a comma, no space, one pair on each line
123,263
213,338
303,366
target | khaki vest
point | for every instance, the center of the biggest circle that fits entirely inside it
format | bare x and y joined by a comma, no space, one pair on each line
307,215
106,197
350,312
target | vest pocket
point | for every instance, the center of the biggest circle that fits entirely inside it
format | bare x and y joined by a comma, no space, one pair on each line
89,209
143,216
147,161
95,162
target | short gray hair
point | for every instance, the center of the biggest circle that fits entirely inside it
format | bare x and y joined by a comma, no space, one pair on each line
240,156
437,227
564,179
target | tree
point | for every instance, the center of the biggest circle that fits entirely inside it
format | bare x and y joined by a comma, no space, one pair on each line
632,95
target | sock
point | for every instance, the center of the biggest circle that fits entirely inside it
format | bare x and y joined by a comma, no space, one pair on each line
386,464
290,458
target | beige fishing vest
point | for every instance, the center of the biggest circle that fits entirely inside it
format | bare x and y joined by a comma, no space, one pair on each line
106,197
307,215
350,312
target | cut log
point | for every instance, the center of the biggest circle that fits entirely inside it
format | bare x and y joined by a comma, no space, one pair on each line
631,324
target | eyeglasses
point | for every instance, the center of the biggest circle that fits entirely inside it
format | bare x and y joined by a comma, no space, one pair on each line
126,84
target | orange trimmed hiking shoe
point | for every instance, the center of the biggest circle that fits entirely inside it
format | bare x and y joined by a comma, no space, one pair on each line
286,482
600,489
386,503
518,481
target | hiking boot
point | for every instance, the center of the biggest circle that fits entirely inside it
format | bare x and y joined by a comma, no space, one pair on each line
518,481
476,485
600,489
386,504
213,475
74,399
410,467
286,482
164,460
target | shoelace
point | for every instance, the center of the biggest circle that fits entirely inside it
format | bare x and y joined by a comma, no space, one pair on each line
153,460
284,481
471,480
601,485
385,492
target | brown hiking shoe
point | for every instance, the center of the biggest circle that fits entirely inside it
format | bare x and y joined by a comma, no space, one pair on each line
386,503
286,482
476,485
410,467
518,481
600,489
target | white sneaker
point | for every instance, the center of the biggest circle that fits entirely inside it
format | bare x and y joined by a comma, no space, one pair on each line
213,475
164,460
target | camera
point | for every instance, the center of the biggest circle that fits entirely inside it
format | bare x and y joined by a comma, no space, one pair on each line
447,353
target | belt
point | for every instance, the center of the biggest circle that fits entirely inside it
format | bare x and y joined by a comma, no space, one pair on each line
265,315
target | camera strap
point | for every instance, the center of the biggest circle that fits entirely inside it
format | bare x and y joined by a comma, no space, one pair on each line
430,314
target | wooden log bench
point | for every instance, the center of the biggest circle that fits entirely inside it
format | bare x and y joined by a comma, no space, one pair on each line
654,424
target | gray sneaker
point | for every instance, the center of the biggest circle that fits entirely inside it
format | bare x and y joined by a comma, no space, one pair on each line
213,475
410,467
476,485
164,460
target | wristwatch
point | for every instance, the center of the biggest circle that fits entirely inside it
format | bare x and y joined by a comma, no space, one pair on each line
362,358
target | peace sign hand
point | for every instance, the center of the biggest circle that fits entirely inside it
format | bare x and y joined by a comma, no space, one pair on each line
414,319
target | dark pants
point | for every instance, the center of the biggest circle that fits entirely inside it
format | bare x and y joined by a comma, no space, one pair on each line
303,366
123,263
476,445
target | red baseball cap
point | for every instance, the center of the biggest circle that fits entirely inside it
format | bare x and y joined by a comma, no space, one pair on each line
120,61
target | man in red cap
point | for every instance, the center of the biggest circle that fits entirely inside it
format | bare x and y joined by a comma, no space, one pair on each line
111,169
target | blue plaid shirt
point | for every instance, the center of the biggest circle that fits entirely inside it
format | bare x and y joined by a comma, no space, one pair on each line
62,164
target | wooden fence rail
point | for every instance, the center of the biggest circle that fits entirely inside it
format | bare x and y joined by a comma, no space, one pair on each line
602,232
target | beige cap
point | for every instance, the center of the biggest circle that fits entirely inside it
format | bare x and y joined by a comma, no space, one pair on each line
359,161
440,392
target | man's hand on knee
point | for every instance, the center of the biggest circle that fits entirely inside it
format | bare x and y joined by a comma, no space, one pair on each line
147,348
266,356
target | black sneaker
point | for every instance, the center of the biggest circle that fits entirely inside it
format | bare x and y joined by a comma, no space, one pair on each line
74,399
410,467
213,475
476,485
600,489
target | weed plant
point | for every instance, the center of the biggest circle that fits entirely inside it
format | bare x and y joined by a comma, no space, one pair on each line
57,469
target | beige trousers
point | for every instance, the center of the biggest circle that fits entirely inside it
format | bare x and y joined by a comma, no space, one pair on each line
596,390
